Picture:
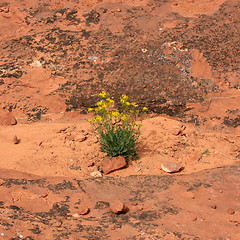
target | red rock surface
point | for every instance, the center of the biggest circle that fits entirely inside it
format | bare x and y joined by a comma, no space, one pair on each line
179,58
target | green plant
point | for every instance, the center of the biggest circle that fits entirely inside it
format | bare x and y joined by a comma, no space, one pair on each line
117,130
206,152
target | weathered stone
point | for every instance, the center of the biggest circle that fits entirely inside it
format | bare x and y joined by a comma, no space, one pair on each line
118,207
171,167
96,174
7,118
16,140
81,137
112,164
230,211
83,210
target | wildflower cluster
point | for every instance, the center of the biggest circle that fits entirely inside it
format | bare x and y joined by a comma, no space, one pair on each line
118,131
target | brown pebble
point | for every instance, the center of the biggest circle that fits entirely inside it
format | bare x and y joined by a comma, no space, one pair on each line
213,206
117,207
16,140
194,219
90,164
1,182
83,210
134,203
230,211
5,9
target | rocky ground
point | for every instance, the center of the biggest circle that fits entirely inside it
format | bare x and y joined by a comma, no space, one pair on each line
179,58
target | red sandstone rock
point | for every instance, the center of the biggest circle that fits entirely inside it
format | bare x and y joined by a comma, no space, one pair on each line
81,137
213,206
16,140
7,118
171,167
195,156
230,211
177,130
117,207
112,164
83,210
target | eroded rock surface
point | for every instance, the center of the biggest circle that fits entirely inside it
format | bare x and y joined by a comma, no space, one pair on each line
176,57
160,207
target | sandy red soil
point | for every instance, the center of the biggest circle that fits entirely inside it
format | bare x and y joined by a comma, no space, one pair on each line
180,58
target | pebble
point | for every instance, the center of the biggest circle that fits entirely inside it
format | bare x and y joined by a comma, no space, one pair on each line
5,9
171,167
83,210
194,219
230,211
96,174
76,215
177,130
1,182
213,206
16,140
118,207
81,137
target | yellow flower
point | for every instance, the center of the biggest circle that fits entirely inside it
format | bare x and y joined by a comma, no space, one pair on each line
115,114
103,94
90,120
99,103
134,105
123,118
103,106
99,119
145,109
90,110
128,103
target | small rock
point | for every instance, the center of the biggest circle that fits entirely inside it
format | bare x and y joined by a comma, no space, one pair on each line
118,207
134,203
90,164
1,182
112,164
230,211
81,137
171,167
195,156
194,219
83,210
137,169
96,174
76,215
213,206
5,9
16,140
58,14
7,118
177,130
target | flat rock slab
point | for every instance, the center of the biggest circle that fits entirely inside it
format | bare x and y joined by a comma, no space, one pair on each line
160,207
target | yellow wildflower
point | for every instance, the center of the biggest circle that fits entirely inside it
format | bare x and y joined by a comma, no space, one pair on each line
99,119
90,110
145,109
115,114
103,94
